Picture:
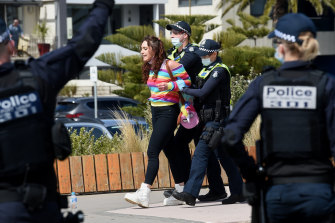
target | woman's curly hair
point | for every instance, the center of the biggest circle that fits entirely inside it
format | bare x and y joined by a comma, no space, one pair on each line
157,47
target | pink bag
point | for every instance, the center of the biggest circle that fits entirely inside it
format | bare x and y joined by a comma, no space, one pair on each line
192,119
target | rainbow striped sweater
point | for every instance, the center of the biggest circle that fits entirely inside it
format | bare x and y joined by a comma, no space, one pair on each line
170,96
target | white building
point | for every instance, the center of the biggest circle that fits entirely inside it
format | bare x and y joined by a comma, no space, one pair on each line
63,17
325,24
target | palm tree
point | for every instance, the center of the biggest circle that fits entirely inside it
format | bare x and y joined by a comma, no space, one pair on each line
280,6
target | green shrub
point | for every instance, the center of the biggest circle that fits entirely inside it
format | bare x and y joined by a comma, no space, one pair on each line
128,140
68,90
240,83
85,144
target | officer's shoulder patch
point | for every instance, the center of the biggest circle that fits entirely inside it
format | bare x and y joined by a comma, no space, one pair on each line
215,74
191,49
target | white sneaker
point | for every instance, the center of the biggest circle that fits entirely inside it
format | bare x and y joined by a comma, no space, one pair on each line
171,201
179,188
140,197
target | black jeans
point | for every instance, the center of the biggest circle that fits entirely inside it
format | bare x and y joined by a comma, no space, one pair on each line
179,155
164,122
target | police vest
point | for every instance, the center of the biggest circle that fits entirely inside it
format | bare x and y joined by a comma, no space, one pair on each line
293,120
25,135
175,50
221,93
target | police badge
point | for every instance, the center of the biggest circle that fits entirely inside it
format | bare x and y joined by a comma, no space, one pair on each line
215,74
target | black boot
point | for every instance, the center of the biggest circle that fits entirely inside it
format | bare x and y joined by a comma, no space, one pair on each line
183,196
168,193
234,198
212,196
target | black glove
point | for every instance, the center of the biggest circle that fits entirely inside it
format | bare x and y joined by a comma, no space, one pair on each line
108,3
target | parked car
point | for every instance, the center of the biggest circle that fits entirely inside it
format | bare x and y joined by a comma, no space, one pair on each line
107,127
98,129
75,108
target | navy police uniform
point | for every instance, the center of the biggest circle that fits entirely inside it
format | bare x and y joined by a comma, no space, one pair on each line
180,157
214,94
28,186
297,108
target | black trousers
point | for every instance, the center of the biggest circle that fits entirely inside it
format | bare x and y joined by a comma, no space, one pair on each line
179,155
164,122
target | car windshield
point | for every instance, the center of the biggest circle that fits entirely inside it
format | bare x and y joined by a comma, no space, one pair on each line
97,133
114,129
65,106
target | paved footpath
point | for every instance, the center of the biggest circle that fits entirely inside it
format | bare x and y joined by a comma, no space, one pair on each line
111,207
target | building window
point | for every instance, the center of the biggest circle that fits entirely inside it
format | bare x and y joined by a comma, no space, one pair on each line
324,22
77,14
183,3
257,7
9,12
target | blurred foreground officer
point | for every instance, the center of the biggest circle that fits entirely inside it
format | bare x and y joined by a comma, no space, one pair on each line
28,93
179,156
214,94
297,108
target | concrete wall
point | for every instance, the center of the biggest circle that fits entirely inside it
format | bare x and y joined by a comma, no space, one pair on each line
327,42
130,15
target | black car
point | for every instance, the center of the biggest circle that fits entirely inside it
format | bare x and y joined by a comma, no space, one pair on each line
83,107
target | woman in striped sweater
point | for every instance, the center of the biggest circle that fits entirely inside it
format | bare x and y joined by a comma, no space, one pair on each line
164,102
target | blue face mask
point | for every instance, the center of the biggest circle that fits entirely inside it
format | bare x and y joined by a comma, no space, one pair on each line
206,61
279,57
176,42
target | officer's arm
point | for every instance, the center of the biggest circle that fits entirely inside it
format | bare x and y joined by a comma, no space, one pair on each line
61,65
221,77
243,115
330,112
189,60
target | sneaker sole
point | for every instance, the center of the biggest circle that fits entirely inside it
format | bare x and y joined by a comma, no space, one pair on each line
142,206
130,201
133,202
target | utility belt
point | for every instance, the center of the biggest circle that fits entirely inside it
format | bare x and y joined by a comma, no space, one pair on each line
31,195
211,114
328,179
213,137
34,196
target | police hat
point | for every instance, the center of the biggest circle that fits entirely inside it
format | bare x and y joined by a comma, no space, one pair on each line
291,25
208,46
4,33
180,26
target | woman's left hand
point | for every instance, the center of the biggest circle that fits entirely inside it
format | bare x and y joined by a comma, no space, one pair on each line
162,86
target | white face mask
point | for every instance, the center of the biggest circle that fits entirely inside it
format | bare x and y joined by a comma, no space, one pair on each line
206,61
176,42
278,56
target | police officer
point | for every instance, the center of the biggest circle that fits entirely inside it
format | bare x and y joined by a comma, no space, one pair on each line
214,94
28,186
297,108
180,158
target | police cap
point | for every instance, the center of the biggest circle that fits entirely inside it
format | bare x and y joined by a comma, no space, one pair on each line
208,46
291,25
180,26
